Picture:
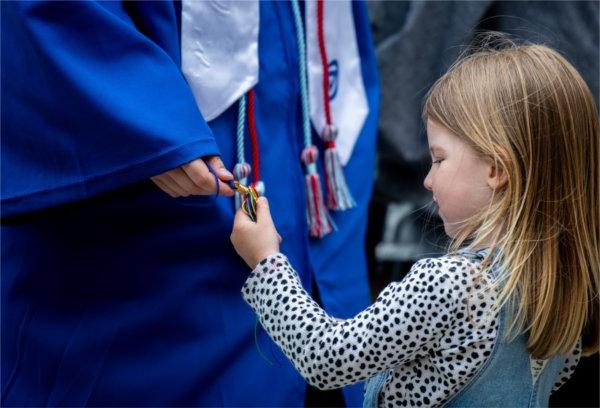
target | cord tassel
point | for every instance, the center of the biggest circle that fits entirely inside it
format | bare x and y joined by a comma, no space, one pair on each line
319,220
338,193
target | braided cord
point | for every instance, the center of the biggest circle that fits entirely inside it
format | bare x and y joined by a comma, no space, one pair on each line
240,129
324,59
303,83
253,138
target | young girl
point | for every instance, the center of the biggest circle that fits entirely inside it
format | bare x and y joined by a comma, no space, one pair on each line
502,319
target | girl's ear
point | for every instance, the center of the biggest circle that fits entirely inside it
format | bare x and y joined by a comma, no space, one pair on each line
497,177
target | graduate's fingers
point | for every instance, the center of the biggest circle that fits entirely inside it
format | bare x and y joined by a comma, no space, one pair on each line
169,180
199,173
217,164
183,181
156,180
225,189
222,174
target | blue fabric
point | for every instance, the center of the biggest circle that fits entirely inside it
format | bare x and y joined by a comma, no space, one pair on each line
113,293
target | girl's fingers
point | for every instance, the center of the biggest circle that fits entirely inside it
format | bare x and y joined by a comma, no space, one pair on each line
262,212
240,217
242,223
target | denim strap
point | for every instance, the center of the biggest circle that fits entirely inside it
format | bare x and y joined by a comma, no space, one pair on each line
373,388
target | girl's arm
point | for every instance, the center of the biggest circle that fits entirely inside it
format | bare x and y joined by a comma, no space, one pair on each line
403,323
406,321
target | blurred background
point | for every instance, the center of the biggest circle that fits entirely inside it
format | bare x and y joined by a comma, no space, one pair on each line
416,41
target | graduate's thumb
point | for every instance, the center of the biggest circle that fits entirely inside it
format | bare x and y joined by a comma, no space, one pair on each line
263,214
217,164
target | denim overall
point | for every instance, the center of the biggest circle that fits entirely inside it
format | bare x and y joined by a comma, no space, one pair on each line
505,379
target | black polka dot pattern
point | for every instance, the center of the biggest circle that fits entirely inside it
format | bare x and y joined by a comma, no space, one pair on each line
435,329
569,367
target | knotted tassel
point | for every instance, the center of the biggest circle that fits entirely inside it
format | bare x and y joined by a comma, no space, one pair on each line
338,193
241,171
319,221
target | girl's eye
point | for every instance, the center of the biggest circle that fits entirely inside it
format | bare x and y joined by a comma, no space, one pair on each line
437,161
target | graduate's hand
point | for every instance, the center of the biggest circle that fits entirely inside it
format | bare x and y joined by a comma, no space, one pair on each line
254,241
194,178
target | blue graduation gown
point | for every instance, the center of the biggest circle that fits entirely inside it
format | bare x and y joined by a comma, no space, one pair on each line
114,293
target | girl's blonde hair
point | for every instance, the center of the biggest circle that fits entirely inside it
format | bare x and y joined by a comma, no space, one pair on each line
527,110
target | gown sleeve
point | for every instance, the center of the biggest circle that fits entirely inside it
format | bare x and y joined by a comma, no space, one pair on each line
92,99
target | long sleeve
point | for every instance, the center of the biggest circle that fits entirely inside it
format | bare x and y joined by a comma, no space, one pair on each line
569,367
403,323
92,99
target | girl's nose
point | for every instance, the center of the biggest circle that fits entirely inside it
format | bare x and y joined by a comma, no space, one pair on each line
427,181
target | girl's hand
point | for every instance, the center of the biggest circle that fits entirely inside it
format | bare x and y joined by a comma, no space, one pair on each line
254,241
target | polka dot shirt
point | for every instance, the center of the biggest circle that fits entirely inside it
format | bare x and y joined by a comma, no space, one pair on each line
434,329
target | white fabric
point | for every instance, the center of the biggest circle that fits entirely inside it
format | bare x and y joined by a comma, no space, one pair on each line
349,107
219,51
536,366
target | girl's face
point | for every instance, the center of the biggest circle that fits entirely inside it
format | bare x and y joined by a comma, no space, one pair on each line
458,178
